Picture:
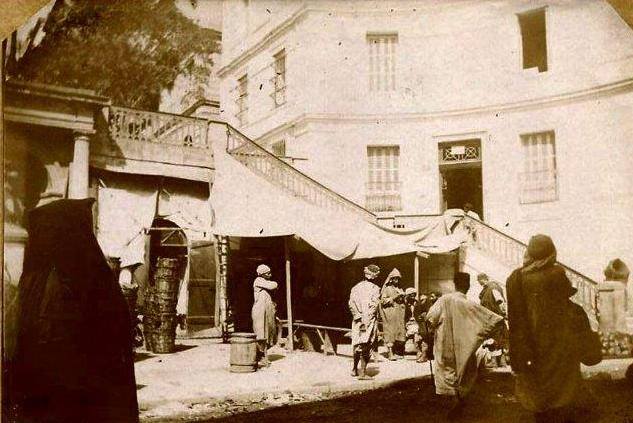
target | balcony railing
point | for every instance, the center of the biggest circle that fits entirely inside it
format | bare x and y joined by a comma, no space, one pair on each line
511,251
538,186
383,196
162,128
296,183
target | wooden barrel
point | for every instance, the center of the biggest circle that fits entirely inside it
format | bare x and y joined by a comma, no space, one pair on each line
243,352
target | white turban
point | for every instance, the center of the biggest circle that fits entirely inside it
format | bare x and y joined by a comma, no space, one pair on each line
262,269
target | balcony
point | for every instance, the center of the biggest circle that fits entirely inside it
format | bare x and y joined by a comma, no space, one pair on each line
153,143
383,196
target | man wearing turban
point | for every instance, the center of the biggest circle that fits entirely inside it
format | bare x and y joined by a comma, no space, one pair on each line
363,304
263,313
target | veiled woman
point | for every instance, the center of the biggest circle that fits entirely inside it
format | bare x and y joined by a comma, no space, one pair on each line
544,352
74,358
392,310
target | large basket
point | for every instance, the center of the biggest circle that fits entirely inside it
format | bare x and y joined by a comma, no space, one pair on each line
164,341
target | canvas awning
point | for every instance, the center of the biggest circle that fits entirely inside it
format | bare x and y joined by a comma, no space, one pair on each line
246,205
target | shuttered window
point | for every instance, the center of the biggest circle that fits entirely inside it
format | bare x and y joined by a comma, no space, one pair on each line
382,61
242,100
279,79
383,179
538,180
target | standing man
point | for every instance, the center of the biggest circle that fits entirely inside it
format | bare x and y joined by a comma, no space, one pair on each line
392,312
363,304
460,328
492,297
263,313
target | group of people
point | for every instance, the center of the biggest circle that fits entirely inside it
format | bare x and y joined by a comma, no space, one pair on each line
547,335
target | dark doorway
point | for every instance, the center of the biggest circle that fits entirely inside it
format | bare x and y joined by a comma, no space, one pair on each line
460,175
461,186
244,257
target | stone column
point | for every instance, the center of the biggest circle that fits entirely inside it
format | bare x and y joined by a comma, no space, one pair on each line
78,172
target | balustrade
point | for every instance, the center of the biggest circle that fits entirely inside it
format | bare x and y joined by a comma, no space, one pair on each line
162,128
511,252
261,161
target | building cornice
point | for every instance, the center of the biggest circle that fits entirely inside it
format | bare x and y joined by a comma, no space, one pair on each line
279,30
622,86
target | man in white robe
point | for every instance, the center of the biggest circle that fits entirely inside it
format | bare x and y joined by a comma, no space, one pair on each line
460,328
363,304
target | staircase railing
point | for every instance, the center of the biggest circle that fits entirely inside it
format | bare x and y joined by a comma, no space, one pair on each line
266,164
162,128
510,251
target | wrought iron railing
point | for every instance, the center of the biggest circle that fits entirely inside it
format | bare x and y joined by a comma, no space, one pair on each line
510,251
381,196
291,180
162,128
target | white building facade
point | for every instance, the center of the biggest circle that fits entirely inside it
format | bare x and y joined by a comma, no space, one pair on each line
522,108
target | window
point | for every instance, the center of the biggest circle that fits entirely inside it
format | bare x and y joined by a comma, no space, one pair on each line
534,39
383,184
279,79
242,100
538,179
279,148
382,61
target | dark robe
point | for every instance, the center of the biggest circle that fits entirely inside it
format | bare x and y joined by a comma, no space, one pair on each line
488,300
543,347
74,357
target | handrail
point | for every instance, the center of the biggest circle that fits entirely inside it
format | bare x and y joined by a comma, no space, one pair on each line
513,251
479,222
252,155
157,127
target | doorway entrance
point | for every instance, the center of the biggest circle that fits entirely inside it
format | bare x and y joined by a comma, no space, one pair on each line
460,175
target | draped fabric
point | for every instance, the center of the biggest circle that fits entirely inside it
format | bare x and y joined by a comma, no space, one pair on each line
74,356
364,299
461,326
246,205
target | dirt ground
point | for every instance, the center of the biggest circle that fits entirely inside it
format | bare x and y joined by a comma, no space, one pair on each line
492,401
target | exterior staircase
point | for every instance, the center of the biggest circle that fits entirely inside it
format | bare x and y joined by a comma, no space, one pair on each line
498,254
285,176
492,251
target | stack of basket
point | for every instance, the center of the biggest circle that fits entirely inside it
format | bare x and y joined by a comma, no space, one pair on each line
160,320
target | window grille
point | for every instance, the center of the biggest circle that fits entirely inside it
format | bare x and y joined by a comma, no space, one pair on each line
538,181
383,183
279,79
242,100
382,61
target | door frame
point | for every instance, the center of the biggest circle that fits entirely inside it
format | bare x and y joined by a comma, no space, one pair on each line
457,139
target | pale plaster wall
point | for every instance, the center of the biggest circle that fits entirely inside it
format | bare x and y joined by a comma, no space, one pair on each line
458,72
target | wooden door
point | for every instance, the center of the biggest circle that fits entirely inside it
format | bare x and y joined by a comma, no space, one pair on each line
201,308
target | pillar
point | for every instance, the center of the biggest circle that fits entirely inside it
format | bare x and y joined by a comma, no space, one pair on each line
78,176
290,341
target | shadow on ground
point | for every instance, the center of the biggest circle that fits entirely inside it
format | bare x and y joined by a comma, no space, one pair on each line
492,400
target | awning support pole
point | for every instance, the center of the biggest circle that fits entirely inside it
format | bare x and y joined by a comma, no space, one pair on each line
416,274
289,341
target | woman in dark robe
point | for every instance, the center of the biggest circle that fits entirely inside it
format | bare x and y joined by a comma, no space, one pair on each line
74,358
544,353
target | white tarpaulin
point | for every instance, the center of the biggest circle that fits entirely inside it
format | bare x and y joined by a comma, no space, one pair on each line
246,205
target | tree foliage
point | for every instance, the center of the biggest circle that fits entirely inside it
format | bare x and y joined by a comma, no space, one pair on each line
128,50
